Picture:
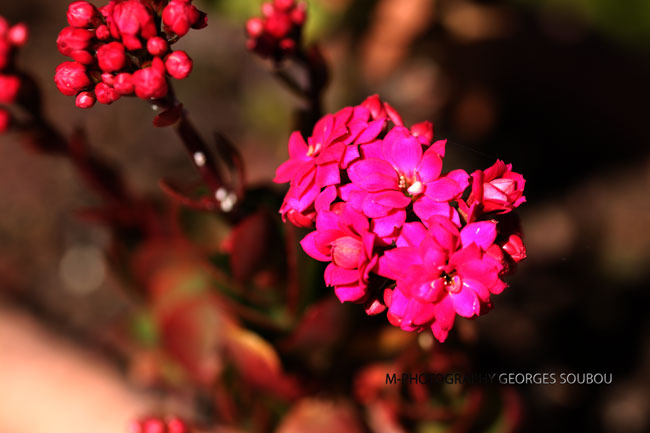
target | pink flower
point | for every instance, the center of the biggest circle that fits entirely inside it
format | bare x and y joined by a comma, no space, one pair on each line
440,272
497,189
313,165
342,236
71,78
397,174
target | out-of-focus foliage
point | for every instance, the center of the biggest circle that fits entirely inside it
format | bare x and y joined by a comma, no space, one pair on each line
627,21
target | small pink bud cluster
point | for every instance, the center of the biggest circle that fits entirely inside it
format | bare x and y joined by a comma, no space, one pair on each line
119,49
11,37
159,425
277,34
388,219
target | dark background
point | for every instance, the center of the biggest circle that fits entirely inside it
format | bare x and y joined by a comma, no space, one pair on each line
558,89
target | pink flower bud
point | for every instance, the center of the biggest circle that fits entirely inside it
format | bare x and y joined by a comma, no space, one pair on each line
5,120
268,9
374,307
18,35
111,57
108,78
102,32
347,252
284,5
157,46
255,27
150,82
278,25
133,19
82,14
123,84
85,100
178,64
9,86
153,425
179,16
299,14
423,131
82,56
106,94
71,77
515,248
71,39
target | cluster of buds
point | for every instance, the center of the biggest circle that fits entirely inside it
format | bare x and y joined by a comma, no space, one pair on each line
398,233
159,425
11,37
122,49
277,34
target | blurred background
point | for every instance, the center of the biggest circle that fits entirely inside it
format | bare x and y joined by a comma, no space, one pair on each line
558,88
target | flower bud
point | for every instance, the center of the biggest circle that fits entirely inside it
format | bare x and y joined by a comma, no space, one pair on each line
18,35
85,100
71,77
82,14
179,16
82,56
9,86
111,57
150,82
178,64
133,19
123,84
102,32
71,39
284,5
299,14
255,27
515,248
278,25
347,252
106,94
423,131
157,46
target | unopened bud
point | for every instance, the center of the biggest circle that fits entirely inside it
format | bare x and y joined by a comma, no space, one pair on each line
71,77
85,100
178,64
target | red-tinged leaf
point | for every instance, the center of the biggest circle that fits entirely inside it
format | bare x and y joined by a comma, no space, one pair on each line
168,117
258,363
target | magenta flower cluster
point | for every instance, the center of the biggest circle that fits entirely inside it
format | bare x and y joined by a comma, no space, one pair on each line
400,234
123,48
11,37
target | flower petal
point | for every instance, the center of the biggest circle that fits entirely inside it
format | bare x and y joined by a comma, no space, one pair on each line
481,233
373,175
403,150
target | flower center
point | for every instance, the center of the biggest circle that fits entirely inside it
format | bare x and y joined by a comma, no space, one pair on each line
410,186
453,282
314,149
